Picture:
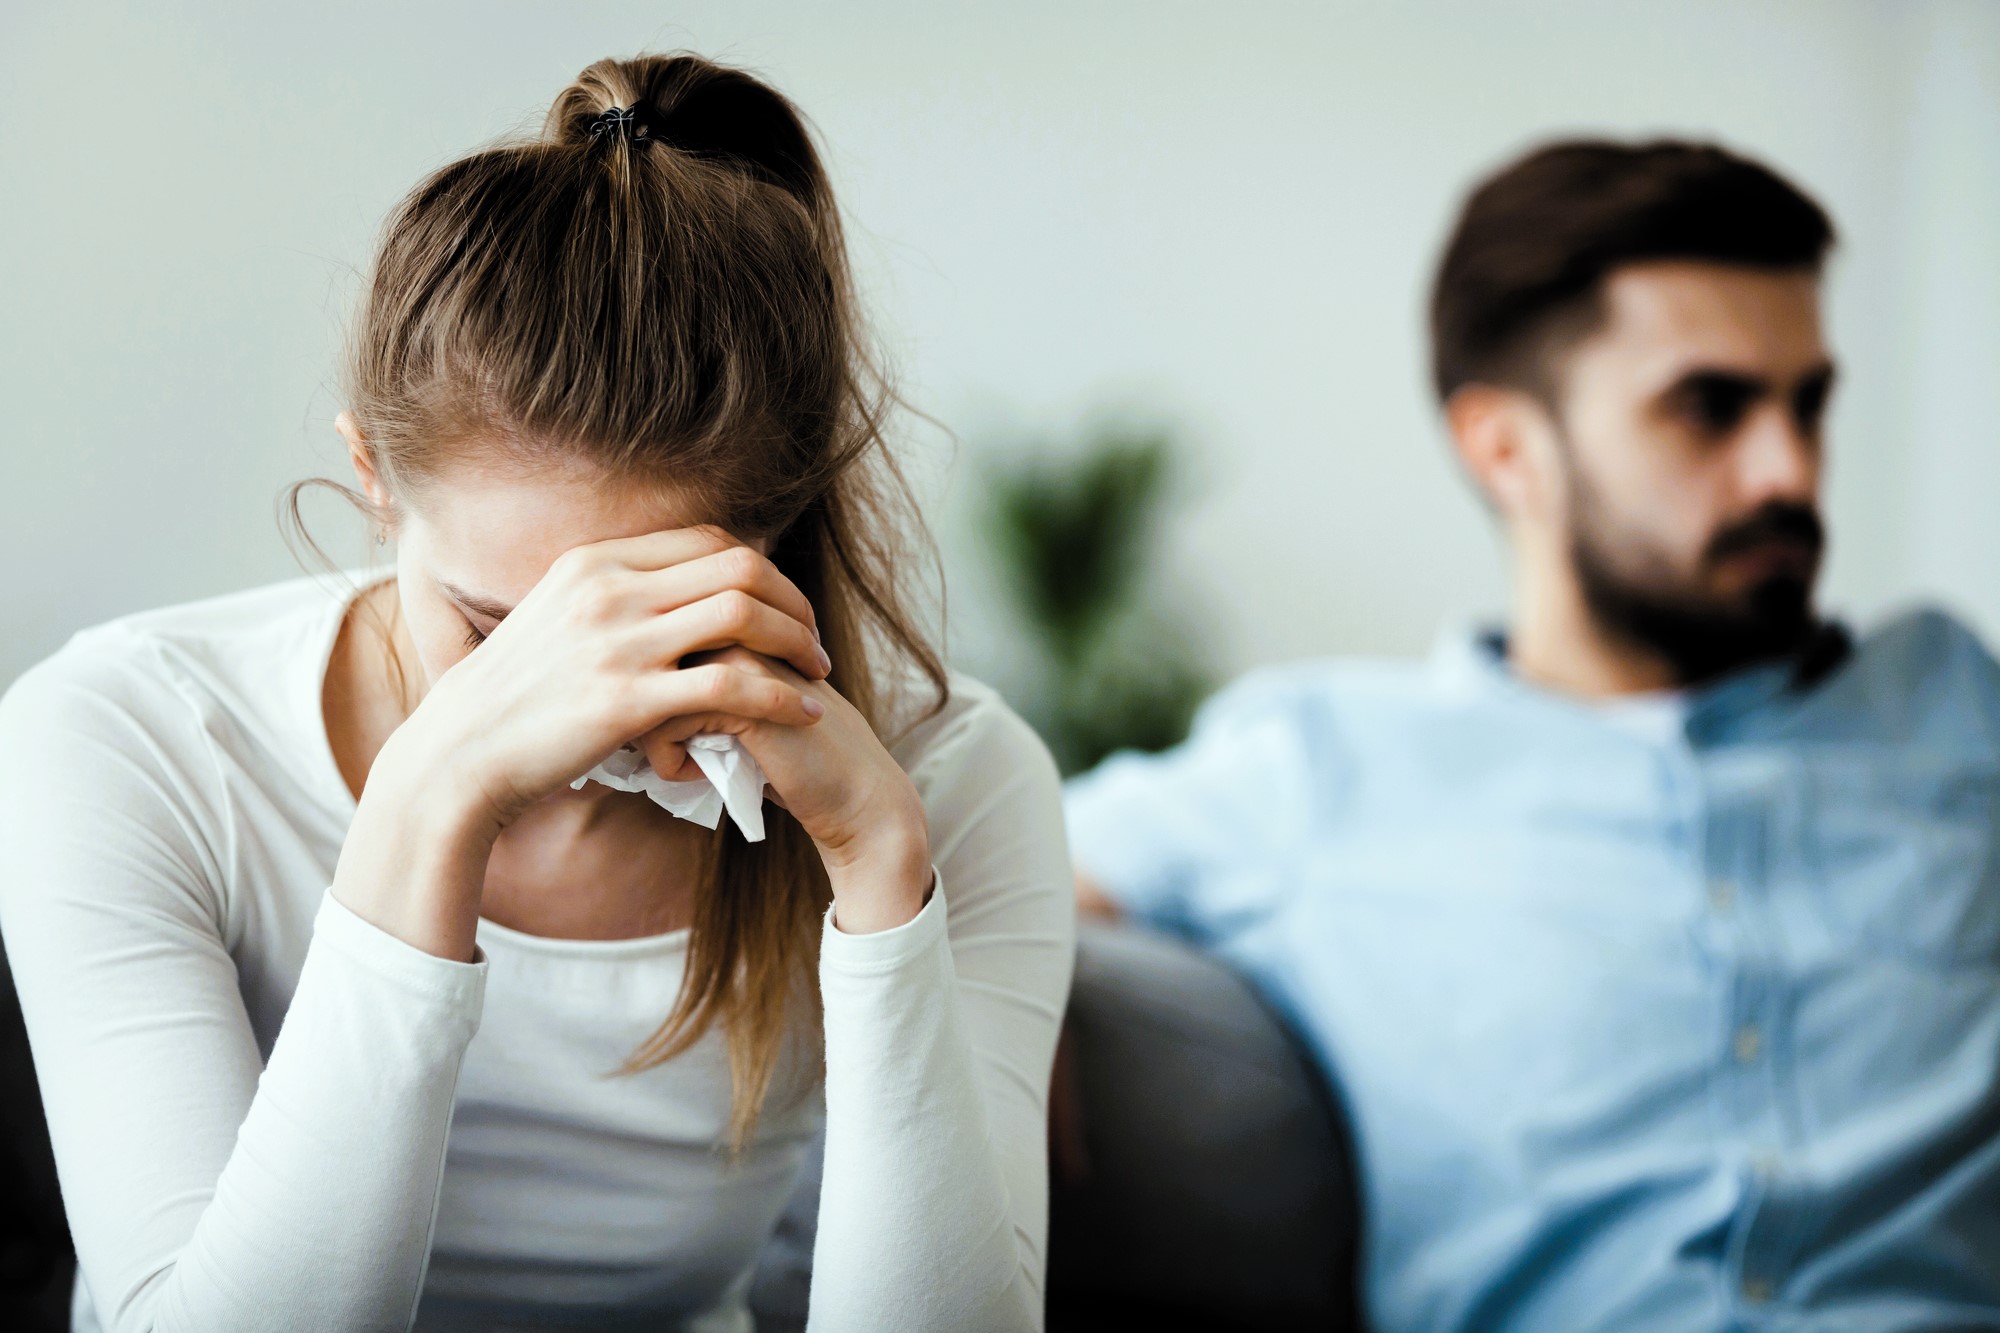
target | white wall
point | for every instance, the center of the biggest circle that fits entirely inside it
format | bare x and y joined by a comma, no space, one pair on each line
1223,213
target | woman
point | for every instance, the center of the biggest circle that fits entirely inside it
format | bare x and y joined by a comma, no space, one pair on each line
545,1055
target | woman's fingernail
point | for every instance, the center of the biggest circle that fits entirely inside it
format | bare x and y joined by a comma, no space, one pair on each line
813,706
825,663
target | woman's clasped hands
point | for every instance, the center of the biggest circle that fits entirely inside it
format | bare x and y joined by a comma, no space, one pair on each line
653,639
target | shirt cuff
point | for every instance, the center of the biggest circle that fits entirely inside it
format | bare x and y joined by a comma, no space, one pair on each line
884,950
456,985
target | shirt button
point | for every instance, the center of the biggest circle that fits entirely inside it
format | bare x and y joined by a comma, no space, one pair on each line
1756,1290
1748,1042
1722,894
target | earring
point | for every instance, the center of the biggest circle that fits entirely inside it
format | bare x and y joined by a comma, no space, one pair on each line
381,536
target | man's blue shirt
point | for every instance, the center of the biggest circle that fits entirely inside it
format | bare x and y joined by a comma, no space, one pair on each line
1681,1014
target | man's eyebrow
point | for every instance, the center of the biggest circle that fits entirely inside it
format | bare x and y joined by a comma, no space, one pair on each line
1718,375
1747,380
485,606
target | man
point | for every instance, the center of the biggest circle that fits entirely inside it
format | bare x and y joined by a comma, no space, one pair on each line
1654,944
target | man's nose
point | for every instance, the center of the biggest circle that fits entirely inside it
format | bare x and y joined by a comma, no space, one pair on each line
1776,459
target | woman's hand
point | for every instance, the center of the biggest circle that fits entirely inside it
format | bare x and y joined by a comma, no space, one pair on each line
592,659
851,797
589,660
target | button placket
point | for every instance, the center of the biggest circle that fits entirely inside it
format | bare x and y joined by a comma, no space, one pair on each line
1751,1131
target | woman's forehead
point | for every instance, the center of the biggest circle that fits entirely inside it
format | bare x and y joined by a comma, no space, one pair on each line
499,529
488,535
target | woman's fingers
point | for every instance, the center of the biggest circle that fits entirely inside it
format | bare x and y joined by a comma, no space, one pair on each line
738,688
732,618
736,567
658,550
658,573
669,758
718,697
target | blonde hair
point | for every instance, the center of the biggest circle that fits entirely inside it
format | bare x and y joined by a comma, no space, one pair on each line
663,295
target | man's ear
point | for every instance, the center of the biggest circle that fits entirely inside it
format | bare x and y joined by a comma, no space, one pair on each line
1504,437
363,462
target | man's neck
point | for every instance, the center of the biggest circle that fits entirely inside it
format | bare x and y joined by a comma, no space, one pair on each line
1554,642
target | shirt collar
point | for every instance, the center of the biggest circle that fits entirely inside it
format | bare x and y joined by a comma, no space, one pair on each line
1472,659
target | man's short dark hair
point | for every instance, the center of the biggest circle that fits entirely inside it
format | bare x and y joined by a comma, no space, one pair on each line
1523,274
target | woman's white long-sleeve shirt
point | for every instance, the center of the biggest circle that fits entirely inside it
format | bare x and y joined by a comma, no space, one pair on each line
268,1113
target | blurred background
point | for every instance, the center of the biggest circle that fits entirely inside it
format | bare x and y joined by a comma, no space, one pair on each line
1156,270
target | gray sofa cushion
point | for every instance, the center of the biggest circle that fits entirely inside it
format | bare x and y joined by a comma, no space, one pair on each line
1218,1190
35,1259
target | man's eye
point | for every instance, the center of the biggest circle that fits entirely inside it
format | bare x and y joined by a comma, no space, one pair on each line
473,638
1809,405
1716,406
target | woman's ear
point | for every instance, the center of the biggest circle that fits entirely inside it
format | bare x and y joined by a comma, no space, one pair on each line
362,461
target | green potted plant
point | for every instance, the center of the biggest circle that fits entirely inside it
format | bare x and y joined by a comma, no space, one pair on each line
1074,534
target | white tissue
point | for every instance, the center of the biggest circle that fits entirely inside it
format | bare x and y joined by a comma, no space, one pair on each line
731,780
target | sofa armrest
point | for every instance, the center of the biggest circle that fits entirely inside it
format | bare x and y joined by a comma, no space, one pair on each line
1218,1189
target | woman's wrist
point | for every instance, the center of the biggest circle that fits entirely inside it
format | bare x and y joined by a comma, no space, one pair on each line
882,877
423,763
414,860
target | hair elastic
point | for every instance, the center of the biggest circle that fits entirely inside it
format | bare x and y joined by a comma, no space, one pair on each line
622,121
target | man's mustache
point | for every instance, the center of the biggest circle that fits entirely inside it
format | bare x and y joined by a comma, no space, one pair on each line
1776,524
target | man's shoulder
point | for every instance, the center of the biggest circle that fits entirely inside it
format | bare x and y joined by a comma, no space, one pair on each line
1927,672
1271,734
1325,685
1924,636
1928,652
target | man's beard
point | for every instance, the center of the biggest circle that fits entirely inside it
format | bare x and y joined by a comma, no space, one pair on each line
1698,635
